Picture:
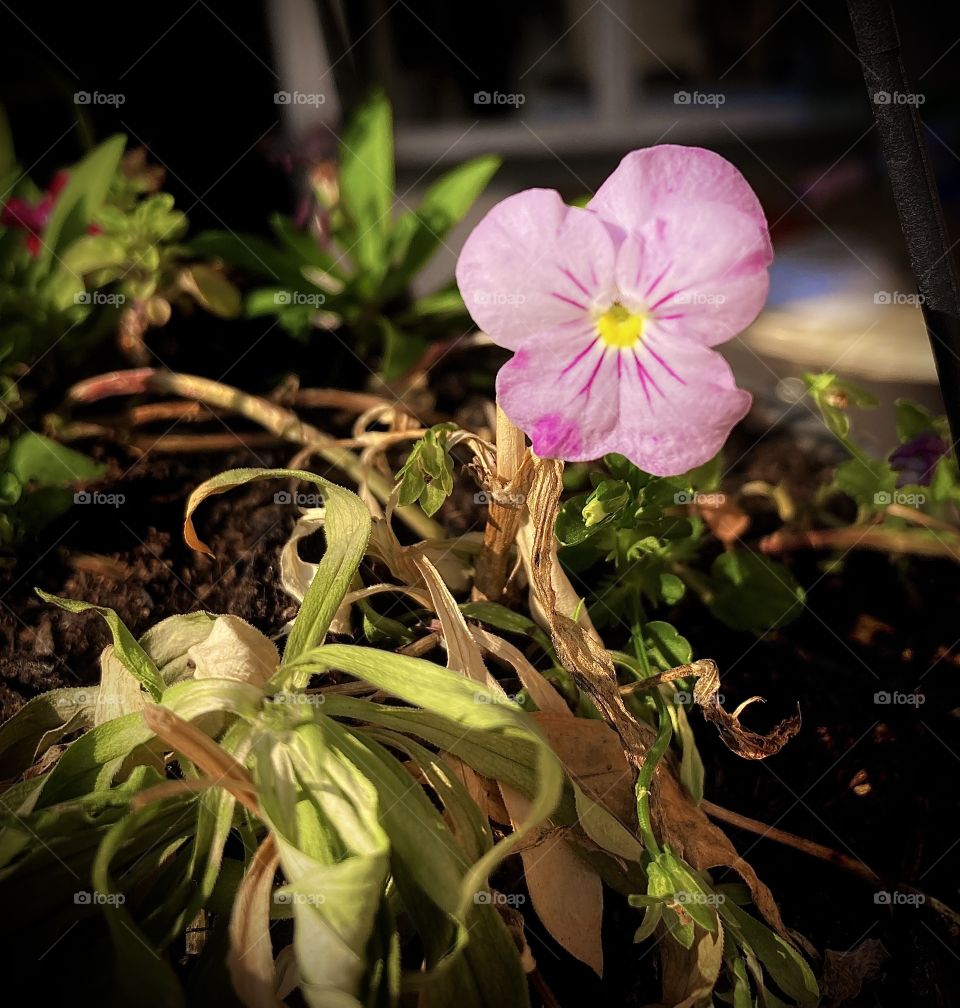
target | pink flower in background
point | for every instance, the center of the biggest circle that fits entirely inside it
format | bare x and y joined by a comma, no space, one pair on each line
612,310
33,217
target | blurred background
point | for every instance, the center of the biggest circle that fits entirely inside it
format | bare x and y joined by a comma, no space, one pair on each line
239,102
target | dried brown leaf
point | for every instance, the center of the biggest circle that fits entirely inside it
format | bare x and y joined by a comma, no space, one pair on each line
690,974
740,740
250,959
204,753
566,892
593,756
723,516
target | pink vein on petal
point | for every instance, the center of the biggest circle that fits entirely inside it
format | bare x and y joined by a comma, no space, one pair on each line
656,282
583,353
586,388
569,301
666,367
666,297
573,279
644,375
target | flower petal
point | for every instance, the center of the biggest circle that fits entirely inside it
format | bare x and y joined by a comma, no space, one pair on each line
648,181
700,271
532,265
667,406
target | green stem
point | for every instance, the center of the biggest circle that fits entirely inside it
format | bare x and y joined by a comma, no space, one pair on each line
657,750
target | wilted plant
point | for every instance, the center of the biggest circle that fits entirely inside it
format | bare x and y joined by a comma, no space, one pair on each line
352,792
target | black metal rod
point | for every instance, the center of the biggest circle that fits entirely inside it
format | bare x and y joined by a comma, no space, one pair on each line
914,190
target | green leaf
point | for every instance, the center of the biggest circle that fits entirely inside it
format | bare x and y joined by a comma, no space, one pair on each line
912,419
246,252
467,704
785,965
754,593
666,646
868,482
419,233
127,650
499,616
401,349
367,180
346,528
94,252
139,966
443,302
35,458
691,764
214,291
21,735
672,589
85,191
571,528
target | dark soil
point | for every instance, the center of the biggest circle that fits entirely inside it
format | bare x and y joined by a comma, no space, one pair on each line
874,781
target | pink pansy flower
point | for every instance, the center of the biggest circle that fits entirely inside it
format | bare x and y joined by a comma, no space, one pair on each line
612,310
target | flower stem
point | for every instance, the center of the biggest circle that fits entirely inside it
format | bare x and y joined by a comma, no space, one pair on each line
503,519
657,750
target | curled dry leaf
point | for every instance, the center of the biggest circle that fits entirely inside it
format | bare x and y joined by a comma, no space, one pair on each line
250,959
120,692
235,650
577,643
706,693
740,740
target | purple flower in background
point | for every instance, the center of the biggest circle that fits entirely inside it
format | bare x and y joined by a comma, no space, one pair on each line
916,459
612,310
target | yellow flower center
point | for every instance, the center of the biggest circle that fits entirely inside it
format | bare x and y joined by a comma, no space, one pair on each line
620,328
